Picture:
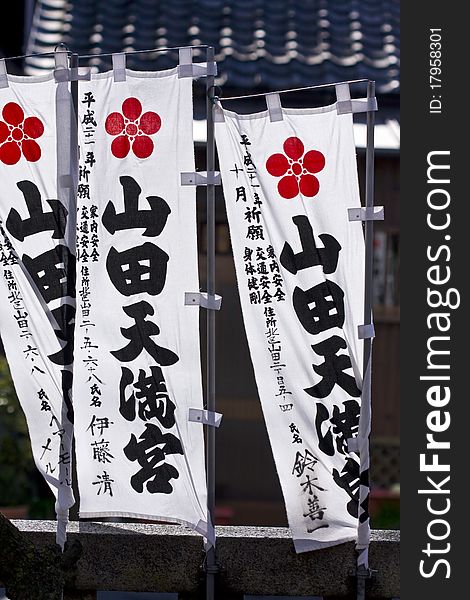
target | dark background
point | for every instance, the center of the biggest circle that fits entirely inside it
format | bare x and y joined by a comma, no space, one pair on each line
423,133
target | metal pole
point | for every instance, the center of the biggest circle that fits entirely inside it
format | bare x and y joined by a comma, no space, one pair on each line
211,566
107,54
365,419
301,89
28,22
74,83
74,63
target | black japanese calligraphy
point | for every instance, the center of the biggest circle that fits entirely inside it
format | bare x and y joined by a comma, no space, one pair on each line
255,232
348,480
104,482
345,426
296,439
315,512
332,369
8,256
241,194
101,451
310,256
319,308
89,119
90,159
137,270
38,220
309,486
83,191
150,395
150,451
140,334
303,461
252,215
53,272
88,99
46,447
153,220
65,318
99,424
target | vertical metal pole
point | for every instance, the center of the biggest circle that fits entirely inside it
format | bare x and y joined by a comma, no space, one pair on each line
74,84
210,386
74,63
365,419
27,23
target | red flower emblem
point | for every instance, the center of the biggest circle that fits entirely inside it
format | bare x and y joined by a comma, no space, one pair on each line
17,135
133,129
296,169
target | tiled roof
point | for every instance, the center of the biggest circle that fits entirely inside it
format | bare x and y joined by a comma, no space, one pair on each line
260,44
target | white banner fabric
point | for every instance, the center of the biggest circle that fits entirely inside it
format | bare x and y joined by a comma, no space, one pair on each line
37,262
137,367
288,185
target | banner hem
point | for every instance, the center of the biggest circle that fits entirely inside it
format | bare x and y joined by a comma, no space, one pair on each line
306,545
165,520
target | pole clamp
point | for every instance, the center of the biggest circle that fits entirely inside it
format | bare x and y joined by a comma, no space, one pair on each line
203,299
213,570
201,178
205,417
366,213
186,67
345,105
62,73
364,572
366,332
3,74
356,106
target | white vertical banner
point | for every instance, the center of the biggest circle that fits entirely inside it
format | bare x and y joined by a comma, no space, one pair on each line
137,368
37,267
288,184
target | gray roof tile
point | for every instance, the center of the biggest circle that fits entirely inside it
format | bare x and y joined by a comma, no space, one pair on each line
260,44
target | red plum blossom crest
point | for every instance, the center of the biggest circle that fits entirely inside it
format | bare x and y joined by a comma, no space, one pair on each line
132,129
296,169
18,135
